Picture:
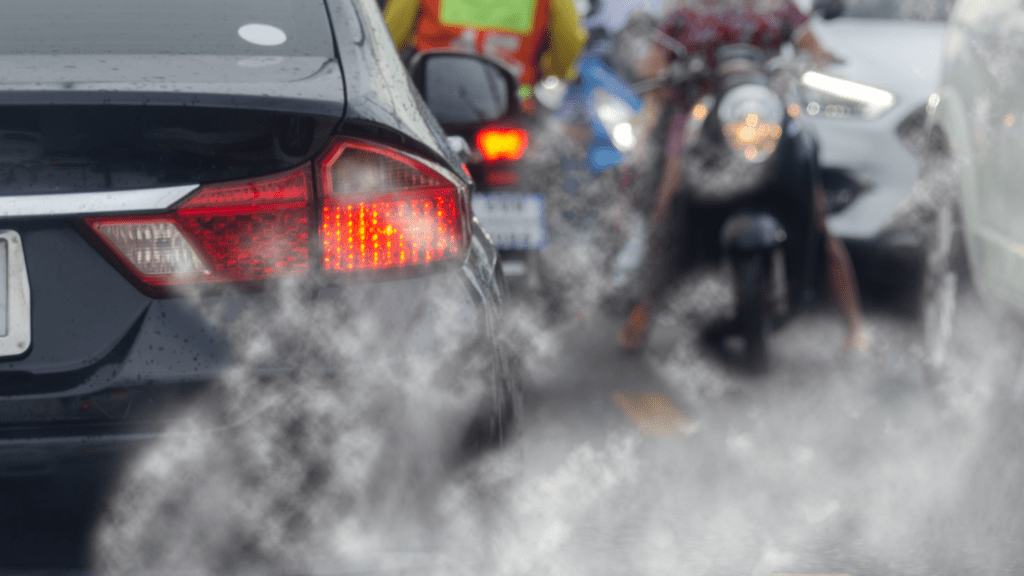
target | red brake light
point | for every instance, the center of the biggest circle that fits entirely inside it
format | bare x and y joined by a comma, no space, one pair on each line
383,210
238,231
502,143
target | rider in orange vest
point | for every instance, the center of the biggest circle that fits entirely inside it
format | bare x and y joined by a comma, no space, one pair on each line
513,31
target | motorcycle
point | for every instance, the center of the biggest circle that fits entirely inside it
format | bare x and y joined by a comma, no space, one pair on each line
525,197
600,99
596,239
750,175
493,147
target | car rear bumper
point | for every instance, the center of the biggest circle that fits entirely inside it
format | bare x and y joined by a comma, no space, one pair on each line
430,339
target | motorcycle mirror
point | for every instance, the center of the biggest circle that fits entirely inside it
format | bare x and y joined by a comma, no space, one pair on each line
585,8
829,9
463,89
550,92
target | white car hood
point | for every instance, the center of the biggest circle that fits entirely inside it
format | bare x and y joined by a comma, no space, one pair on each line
903,57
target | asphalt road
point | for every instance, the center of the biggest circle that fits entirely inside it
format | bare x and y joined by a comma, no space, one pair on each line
673,461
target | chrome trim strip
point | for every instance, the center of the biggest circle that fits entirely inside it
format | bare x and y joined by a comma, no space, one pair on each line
82,203
19,325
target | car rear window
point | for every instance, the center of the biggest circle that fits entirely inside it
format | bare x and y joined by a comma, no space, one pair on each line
215,27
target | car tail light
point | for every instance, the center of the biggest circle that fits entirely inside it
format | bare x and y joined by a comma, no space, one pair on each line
502,143
239,231
381,209
384,210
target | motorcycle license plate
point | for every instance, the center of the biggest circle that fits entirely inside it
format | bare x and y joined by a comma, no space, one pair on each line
514,221
15,327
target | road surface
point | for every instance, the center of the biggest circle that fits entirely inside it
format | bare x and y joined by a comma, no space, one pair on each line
673,462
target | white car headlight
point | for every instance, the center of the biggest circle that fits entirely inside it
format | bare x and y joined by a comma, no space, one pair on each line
751,116
616,117
837,98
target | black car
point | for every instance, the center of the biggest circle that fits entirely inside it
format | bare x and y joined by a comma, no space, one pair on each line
221,206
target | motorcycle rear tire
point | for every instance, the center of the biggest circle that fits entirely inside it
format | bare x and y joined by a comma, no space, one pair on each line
753,306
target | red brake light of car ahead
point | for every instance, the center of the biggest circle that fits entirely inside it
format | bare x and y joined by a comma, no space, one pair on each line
384,210
241,231
502,143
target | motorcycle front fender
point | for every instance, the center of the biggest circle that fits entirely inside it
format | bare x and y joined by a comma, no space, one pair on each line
751,232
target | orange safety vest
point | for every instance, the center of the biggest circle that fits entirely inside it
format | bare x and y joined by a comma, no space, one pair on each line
512,37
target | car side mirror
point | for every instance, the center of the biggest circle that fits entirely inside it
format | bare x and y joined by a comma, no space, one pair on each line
463,89
829,9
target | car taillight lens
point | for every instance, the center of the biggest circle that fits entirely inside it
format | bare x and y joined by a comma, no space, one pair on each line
239,231
502,143
383,209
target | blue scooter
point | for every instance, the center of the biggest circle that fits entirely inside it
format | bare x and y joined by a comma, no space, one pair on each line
602,100
598,107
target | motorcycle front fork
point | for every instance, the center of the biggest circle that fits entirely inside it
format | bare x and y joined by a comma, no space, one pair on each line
779,290
777,286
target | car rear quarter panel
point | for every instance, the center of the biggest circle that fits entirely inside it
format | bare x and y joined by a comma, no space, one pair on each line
410,319
378,89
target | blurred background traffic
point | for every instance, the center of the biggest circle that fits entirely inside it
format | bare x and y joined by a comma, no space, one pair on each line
580,184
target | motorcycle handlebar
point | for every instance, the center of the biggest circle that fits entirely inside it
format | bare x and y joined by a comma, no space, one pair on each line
683,70
671,44
679,72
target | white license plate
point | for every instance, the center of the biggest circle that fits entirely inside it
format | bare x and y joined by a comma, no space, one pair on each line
514,221
15,325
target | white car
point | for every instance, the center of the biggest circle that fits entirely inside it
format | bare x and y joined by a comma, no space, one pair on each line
868,112
979,107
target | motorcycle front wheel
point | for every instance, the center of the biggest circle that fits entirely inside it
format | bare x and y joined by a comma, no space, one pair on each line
753,306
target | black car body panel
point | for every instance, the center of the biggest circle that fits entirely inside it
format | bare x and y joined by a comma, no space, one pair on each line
160,27
378,90
82,306
181,53
108,362
301,84
54,149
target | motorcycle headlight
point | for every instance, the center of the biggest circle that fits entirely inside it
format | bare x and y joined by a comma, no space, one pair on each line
838,98
616,117
751,116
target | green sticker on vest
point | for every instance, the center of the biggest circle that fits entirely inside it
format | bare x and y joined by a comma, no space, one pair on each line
511,15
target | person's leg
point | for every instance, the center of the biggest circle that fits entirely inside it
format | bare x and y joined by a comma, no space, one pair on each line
657,271
843,282
671,180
